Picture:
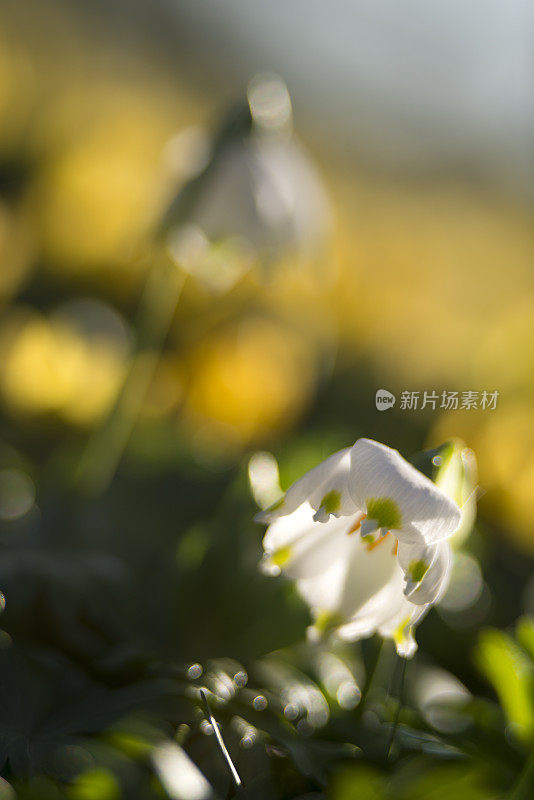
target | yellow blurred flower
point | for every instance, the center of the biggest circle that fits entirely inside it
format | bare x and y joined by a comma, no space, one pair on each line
96,199
49,368
504,353
249,380
433,270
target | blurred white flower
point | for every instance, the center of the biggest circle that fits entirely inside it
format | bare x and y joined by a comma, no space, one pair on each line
364,535
256,196
456,474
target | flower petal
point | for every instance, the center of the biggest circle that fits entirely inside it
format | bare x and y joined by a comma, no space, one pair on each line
370,569
378,609
323,592
324,487
425,583
361,589
415,560
400,626
303,548
401,498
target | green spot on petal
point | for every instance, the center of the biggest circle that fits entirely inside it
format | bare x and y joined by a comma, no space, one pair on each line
401,633
417,570
327,621
369,539
331,502
281,556
385,511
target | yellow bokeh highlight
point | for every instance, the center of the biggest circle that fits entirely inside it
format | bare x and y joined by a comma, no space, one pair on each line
424,273
97,196
49,368
250,380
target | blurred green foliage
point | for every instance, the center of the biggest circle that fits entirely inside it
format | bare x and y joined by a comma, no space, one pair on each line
510,669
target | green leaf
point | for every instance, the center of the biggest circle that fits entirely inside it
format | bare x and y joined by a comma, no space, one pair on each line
462,781
511,674
360,782
95,784
525,635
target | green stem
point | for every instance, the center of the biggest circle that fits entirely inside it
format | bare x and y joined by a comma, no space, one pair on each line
106,445
369,678
521,789
400,704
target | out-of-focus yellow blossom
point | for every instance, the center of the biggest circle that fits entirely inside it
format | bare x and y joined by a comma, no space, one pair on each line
49,368
431,260
250,380
97,198
504,352
504,442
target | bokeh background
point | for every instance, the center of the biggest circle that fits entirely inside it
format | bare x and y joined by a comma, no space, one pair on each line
379,236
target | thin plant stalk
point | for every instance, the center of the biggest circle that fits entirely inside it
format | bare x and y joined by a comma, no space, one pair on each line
400,703
234,775
108,441
370,677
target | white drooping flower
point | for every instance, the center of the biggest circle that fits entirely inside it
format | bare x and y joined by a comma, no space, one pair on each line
364,534
256,197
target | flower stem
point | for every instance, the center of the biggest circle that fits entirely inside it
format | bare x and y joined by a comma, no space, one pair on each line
108,441
370,677
401,671
520,790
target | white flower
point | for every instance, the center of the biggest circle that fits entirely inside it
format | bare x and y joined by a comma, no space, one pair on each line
257,196
364,535
456,474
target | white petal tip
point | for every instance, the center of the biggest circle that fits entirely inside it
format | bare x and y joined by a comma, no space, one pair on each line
267,515
263,517
407,650
410,587
267,567
321,515
312,634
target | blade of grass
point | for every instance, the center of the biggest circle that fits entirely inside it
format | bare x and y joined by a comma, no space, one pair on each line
234,775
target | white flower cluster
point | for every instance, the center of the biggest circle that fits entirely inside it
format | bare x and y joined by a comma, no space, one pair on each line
365,536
